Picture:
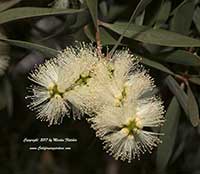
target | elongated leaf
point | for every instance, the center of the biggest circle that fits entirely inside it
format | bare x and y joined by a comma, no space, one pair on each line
103,8
177,152
106,38
4,48
140,19
29,12
178,92
179,6
156,65
90,33
163,13
152,11
153,36
31,46
195,80
182,18
115,11
92,5
7,4
193,108
196,18
180,57
139,8
169,129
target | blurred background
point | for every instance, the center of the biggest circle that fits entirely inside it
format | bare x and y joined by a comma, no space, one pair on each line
166,33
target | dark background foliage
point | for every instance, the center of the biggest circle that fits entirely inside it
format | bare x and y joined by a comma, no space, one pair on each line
166,33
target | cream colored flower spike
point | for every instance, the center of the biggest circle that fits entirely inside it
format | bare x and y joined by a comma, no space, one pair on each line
124,123
114,79
61,81
123,129
48,91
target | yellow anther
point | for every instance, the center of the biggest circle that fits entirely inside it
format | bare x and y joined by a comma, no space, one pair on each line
130,136
55,90
57,96
51,86
117,103
125,131
138,123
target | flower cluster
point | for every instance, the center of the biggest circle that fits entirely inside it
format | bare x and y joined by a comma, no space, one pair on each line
114,93
62,81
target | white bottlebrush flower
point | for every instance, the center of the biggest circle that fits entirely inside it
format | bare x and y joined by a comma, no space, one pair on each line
117,80
61,81
48,91
125,130
124,120
106,88
79,65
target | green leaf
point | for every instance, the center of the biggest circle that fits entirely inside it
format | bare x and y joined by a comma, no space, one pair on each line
4,48
195,80
115,11
106,38
92,5
177,152
164,151
29,12
140,19
178,92
177,8
31,46
180,57
90,33
7,4
152,11
193,108
196,18
188,102
182,18
103,8
156,65
153,36
163,13
139,8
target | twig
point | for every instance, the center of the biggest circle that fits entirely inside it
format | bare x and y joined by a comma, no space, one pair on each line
183,79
